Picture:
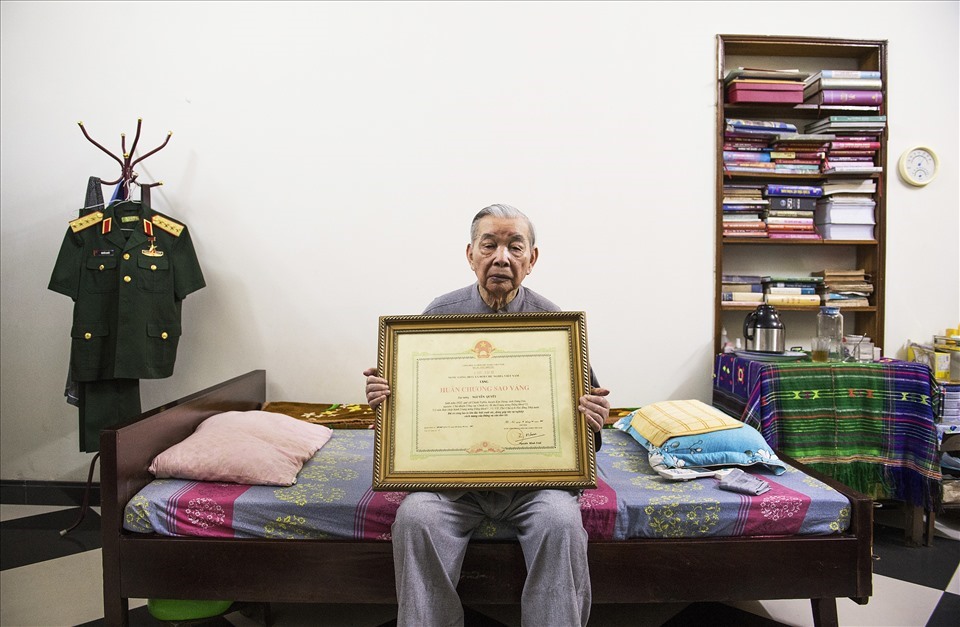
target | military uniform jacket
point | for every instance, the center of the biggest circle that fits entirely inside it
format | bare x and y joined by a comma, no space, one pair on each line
128,269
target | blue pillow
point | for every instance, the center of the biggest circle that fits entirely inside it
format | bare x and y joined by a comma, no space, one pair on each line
729,447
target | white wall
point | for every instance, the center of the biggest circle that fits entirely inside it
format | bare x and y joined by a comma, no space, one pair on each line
327,158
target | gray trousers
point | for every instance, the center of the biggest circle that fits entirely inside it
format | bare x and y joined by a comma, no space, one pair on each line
430,537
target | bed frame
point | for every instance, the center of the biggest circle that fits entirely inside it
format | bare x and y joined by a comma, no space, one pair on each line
819,568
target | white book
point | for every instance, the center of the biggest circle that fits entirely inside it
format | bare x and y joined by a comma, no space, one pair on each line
862,232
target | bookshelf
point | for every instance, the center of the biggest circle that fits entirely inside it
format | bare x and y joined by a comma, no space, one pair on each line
787,257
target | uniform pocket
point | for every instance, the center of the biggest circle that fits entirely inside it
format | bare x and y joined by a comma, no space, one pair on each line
153,274
100,275
162,340
88,344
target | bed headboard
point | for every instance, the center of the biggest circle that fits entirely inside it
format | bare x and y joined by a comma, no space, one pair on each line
140,440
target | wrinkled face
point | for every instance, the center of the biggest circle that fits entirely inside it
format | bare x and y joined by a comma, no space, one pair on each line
501,257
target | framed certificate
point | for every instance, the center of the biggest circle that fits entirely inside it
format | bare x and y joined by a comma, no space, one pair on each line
483,402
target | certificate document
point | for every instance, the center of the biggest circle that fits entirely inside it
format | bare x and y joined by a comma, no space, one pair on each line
483,402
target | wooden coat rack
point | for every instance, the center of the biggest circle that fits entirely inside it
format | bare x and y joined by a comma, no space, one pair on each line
127,163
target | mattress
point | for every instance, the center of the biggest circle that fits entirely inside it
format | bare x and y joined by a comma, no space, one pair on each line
332,499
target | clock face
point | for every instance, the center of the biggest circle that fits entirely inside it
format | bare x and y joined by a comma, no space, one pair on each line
918,166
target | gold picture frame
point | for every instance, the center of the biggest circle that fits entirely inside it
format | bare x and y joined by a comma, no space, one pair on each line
485,401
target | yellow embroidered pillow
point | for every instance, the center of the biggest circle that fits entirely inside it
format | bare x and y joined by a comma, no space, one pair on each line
668,419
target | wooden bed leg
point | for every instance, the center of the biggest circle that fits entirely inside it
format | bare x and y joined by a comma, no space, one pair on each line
824,612
116,612
913,525
931,528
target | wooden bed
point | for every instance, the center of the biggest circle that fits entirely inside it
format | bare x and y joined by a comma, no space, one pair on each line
819,568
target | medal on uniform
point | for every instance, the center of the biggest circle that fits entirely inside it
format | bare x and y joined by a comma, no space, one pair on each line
152,251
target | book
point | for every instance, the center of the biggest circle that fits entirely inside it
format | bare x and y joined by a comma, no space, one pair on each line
869,122
812,300
805,235
792,290
842,83
852,118
836,168
810,191
791,213
790,281
812,78
835,213
788,220
835,300
854,186
854,145
849,82
737,123
744,233
741,287
859,232
846,96
741,278
789,228
860,272
738,96
792,203
749,84
734,155
742,297
766,73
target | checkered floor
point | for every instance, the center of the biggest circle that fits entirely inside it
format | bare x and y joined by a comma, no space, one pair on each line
51,580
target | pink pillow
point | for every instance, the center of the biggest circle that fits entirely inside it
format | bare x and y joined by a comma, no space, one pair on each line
251,447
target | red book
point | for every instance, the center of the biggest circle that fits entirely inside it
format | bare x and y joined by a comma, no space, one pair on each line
790,228
795,97
854,146
756,85
794,236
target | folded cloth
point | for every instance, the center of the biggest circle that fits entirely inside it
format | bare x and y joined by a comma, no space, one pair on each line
739,481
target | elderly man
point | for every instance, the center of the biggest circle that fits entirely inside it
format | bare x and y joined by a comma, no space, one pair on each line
432,529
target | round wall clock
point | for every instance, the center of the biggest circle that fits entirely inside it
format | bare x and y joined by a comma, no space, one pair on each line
918,166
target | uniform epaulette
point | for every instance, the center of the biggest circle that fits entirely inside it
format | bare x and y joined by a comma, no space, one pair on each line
167,225
85,221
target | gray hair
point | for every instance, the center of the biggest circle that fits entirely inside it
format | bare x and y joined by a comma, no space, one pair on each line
501,211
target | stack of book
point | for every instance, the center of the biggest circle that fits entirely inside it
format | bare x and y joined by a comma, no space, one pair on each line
743,209
859,88
764,85
846,216
845,288
855,144
807,149
791,290
848,186
740,289
746,144
783,221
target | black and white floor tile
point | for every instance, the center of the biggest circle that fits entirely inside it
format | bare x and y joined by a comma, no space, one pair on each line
49,580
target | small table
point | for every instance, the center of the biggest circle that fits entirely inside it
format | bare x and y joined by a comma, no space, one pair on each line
868,425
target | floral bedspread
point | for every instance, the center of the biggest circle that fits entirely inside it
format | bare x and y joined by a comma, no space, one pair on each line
332,499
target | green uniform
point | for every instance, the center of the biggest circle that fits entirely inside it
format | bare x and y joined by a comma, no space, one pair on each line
128,269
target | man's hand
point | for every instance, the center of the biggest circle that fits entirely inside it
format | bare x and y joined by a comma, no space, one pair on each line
378,389
594,407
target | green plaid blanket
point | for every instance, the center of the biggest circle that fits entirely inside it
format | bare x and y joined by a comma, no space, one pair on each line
870,426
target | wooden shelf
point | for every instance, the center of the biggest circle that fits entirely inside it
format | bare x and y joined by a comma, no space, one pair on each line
819,176
810,308
755,255
766,241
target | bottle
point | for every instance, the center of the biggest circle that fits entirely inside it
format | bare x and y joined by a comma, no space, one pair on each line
725,344
830,325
